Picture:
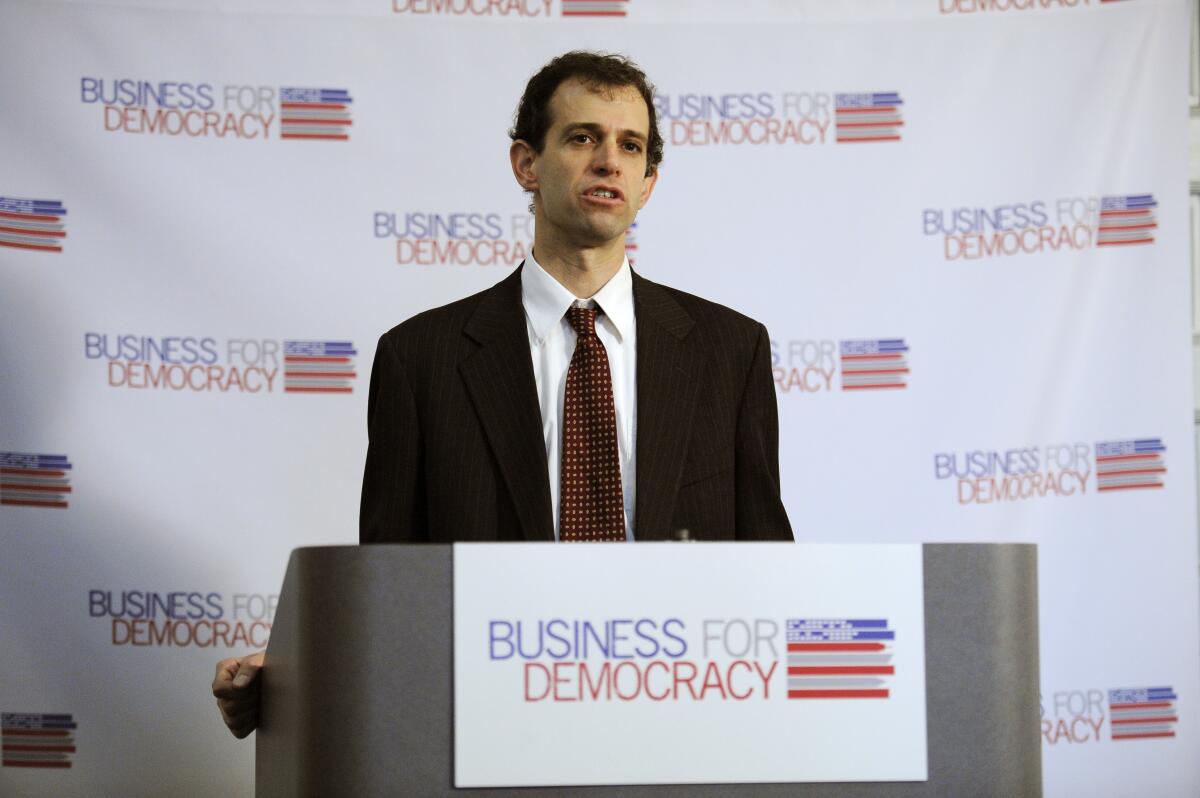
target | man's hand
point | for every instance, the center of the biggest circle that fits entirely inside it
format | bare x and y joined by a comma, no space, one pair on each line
236,688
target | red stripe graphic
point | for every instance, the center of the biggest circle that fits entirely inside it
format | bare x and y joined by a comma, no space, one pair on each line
30,246
1135,212
37,763
329,374
842,670
1142,735
1127,226
295,120
1130,487
44,488
24,231
20,747
31,503
874,138
835,646
313,136
873,387
306,389
879,109
38,472
331,106
1134,707
1155,719
837,693
34,217
1134,471
894,123
1111,458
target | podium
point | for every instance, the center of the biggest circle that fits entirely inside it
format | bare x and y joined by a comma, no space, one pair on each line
357,692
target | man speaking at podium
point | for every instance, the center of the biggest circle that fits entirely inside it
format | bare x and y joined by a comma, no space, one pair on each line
575,400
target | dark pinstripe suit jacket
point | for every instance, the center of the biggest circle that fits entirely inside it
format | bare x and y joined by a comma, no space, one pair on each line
456,449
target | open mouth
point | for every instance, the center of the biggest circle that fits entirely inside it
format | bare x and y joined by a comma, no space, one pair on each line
603,194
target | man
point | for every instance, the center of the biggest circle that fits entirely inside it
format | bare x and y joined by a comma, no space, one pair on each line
574,400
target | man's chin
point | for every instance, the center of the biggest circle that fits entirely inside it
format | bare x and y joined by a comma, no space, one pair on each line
604,232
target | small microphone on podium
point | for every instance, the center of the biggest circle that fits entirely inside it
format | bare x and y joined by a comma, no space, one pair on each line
682,535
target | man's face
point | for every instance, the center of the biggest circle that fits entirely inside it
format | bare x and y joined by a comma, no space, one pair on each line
590,178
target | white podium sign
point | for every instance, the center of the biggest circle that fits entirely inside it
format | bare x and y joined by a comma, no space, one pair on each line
682,663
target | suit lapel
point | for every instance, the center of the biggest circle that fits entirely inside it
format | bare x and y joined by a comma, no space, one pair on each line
669,366
499,378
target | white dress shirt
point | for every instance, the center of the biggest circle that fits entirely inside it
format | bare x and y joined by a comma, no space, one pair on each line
551,344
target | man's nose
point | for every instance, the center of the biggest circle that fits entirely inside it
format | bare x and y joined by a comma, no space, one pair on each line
605,160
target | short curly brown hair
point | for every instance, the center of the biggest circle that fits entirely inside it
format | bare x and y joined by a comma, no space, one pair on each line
595,70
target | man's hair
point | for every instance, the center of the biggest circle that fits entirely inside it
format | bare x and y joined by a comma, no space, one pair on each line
597,71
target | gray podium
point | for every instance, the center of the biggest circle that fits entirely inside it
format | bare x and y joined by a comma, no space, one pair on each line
358,695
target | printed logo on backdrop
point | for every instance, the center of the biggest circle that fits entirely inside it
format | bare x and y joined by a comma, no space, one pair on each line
1126,220
807,366
1080,716
649,659
210,110
1035,226
37,740
183,618
318,366
511,8
314,114
780,118
1001,6
1141,713
455,238
1053,471
863,118
233,365
32,224
1130,465
34,480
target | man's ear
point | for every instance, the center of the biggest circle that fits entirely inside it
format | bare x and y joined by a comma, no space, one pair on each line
648,188
524,164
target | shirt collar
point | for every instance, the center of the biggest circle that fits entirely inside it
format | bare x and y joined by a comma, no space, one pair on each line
546,300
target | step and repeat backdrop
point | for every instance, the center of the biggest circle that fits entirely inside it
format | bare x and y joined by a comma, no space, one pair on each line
964,223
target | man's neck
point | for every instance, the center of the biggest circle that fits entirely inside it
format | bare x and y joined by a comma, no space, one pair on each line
583,272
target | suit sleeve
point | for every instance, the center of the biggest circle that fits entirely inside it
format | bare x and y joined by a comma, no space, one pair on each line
393,507
760,514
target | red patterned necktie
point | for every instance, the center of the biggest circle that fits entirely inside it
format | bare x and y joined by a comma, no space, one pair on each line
591,506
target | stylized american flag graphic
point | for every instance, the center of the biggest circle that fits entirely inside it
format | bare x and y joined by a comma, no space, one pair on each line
594,8
867,116
1127,220
34,740
839,658
1137,713
314,114
32,224
318,366
873,364
631,244
1126,465
34,480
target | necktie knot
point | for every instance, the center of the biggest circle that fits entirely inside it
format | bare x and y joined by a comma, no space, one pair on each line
583,320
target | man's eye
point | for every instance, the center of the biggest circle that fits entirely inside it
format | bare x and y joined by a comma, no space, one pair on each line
633,146
581,138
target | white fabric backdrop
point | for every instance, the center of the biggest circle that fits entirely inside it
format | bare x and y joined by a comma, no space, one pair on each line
234,245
